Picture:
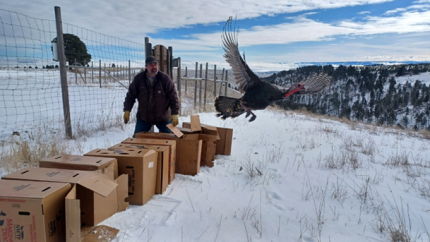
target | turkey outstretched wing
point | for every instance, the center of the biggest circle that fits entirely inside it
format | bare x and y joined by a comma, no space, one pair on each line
315,83
245,77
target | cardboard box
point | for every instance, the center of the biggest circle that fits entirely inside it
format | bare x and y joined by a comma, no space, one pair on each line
208,149
225,137
209,136
162,164
223,146
32,211
188,149
204,129
106,166
141,168
158,142
96,191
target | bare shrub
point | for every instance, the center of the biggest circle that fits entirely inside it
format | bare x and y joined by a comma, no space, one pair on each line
339,192
424,188
398,160
342,160
364,191
394,221
274,155
250,169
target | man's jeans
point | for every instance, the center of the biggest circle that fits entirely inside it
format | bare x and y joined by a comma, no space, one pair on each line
142,126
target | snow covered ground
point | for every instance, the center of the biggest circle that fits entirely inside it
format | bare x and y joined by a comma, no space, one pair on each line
290,177
422,77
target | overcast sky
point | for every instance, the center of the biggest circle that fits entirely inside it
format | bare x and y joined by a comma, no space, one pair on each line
277,31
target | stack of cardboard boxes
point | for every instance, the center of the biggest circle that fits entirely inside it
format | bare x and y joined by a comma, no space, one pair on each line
68,195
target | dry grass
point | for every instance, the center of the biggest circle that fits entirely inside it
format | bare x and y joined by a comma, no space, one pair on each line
27,150
22,153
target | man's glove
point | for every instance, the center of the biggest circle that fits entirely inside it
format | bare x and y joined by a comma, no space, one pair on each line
174,120
126,116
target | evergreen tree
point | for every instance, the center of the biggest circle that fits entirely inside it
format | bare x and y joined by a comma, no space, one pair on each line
75,50
402,71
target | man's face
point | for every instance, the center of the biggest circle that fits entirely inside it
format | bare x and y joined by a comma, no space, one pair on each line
152,69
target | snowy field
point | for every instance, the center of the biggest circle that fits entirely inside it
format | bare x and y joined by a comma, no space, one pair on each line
422,77
31,102
290,177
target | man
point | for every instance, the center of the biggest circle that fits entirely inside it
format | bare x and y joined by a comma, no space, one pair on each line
158,102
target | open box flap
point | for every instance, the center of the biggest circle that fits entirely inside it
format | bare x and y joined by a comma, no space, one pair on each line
99,184
175,130
188,130
205,129
195,123
73,216
122,192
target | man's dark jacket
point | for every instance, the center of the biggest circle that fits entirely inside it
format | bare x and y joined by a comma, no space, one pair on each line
156,104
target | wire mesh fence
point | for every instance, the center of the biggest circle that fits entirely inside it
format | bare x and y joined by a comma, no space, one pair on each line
30,83
30,86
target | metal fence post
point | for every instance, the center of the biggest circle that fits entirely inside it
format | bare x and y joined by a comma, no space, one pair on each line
226,82
222,81
100,73
186,75
206,87
195,86
129,72
200,88
214,81
63,73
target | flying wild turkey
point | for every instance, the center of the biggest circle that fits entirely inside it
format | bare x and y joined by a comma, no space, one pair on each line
257,95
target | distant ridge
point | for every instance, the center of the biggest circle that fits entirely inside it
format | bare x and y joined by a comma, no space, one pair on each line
338,63
360,63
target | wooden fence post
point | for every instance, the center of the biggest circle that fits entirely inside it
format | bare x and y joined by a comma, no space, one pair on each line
169,61
63,73
179,83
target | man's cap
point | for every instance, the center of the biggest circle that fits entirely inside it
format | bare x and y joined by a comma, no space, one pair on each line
150,59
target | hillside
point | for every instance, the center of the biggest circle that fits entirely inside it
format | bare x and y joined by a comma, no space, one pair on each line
393,95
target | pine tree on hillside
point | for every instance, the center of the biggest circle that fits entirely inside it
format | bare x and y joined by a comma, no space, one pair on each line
402,71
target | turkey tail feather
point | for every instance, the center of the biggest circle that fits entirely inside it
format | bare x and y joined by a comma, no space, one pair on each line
228,107
316,83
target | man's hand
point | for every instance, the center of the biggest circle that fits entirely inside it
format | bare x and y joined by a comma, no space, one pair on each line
126,116
174,120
